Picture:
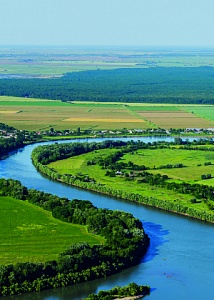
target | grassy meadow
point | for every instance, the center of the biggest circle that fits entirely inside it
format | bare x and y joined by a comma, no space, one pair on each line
153,158
192,160
29,233
78,165
41,114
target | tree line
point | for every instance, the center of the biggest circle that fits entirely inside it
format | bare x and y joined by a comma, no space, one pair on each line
125,244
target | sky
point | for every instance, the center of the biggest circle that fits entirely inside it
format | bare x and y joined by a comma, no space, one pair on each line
107,22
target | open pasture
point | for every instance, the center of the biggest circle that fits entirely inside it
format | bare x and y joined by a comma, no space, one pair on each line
193,161
28,233
78,165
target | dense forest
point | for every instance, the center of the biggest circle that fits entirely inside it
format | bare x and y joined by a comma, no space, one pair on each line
125,244
43,155
151,85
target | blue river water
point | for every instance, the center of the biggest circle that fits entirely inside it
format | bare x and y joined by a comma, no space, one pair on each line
179,263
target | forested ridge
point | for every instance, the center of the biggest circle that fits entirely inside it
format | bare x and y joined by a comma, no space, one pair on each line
125,244
42,155
146,85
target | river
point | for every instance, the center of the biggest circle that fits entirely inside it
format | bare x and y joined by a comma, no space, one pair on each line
179,263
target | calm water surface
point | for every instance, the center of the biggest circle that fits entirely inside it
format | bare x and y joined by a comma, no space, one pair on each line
179,263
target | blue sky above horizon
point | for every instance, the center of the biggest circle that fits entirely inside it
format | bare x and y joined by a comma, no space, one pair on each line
107,22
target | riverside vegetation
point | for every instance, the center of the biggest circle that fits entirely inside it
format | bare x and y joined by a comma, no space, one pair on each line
12,139
132,290
113,167
122,243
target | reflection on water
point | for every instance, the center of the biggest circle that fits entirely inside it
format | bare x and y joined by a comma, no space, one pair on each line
157,238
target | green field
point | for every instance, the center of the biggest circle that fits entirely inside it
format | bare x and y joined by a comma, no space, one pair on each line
193,162
29,233
78,164
154,107
55,69
206,112
41,114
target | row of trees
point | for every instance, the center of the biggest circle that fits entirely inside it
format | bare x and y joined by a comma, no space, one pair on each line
206,193
125,244
50,153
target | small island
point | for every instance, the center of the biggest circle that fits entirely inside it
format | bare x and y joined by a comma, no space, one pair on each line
129,292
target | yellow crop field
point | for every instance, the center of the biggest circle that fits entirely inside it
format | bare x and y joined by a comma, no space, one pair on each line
104,120
8,112
40,114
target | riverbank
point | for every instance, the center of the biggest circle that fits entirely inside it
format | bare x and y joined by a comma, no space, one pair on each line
141,200
130,298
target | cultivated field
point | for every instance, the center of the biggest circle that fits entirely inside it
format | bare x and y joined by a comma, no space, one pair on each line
28,233
39,114
206,112
175,119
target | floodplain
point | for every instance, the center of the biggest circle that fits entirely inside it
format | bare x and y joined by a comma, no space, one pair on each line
157,172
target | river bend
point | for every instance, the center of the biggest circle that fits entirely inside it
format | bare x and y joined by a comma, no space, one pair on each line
179,263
